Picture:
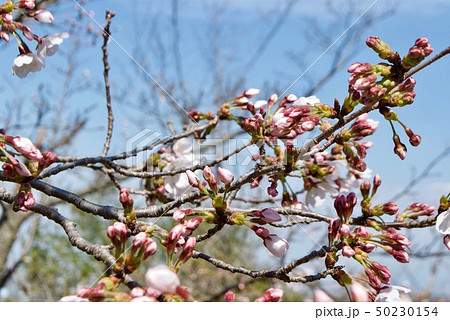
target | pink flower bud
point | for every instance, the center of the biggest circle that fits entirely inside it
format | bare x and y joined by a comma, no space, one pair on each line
188,249
344,229
41,15
192,224
276,245
383,49
192,178
162,279
261,232
7,18
250,93
139,240
125,199
180,214
273,98
347,251
175,233
362,232
225,176
25,201
399,147
401,256
272,190
25,147
358,293
26,4
50,158
321,296
271,295
229,296
269,215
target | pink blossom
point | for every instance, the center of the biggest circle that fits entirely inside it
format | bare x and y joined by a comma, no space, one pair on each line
321,296
269,215
42,15
25,202
276,245
271,295
180,214
25,147
229,296
192,178
125,199
163,279
250,93
225,175
348,252
358,293
26,4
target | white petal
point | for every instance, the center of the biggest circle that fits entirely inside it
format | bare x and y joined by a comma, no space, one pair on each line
315,197
443,222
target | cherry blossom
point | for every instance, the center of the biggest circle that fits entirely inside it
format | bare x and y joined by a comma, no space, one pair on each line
443,222
50,44
162,279
26,63
392,294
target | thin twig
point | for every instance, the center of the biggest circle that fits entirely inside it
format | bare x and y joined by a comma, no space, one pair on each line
106,34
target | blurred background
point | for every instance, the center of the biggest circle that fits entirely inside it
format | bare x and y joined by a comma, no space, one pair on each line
202,54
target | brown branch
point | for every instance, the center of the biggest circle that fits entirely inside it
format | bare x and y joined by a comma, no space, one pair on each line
106,34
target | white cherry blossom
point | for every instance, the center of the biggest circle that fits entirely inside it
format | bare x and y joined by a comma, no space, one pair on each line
25,63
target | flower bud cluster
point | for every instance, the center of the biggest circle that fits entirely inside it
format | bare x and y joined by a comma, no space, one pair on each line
417,53
359,243
175,240
364,86
414,211
16,170
225,176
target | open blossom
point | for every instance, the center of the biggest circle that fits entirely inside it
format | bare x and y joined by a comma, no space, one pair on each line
25,147
443,222
162,279
185,157
276,245
392,294
26,63
50,44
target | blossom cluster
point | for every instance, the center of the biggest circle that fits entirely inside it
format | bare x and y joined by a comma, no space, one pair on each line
28,61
